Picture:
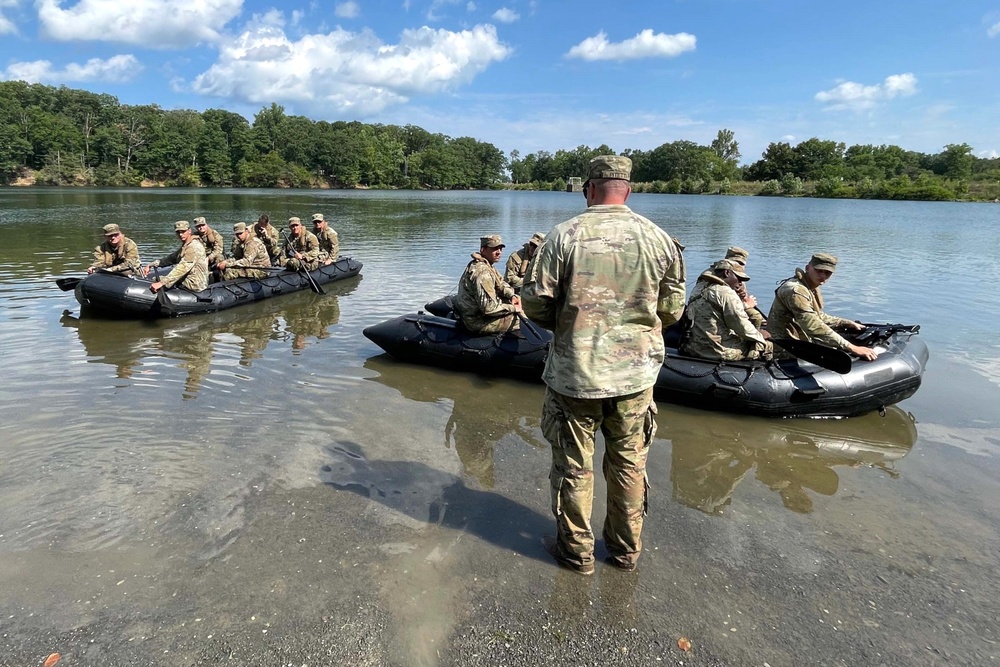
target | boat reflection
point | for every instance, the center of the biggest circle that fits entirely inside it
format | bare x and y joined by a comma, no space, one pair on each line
795,458
479,420
234,337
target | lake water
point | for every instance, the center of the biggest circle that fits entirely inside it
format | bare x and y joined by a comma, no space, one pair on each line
171,490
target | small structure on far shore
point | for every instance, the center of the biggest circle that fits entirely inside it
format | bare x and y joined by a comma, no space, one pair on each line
575,184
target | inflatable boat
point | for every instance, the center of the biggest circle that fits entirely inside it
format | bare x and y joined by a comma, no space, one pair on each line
785,388
130,297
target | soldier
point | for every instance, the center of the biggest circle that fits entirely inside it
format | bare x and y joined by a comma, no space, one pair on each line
485,302
118,253
215,247
247,251
720,328
740,257
302,248
190,266
517,263
797,310
607,283
329,242
271,239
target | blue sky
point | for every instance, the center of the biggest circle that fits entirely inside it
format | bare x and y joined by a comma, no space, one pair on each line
538,75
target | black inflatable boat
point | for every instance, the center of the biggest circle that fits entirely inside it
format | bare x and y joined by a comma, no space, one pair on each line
130,297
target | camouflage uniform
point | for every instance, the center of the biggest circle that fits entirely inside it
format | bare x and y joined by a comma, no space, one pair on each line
720,328
190,266
517,263
215,246
252,253
329,244
605,282
271,239
121,258
797,312
483,299
307,244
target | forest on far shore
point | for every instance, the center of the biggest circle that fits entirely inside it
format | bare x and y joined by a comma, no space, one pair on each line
65,136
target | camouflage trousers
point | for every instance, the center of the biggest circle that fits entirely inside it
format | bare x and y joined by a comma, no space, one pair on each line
501,325
570,425
296,265
242,272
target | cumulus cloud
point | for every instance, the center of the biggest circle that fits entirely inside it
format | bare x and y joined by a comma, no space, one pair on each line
7,26
149,23
858,97
506,15
993,30
117,69
347,10
347,73
646,44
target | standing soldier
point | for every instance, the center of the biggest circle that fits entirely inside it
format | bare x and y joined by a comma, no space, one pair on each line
302,248
329,242
247,251
215,247
118,253
607,283
517,263
270,237
190,266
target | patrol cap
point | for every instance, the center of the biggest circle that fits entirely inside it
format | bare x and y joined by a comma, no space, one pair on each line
318,217
728,264
491,241
199,221
111,230
182,226
738,255
610,166
537,238
240,227
824,261
294,221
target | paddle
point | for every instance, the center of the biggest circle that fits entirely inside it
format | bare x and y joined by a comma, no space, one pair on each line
821,355
68,284
532,334
313,285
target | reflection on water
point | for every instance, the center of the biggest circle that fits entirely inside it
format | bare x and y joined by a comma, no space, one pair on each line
478,420
196,344
794,458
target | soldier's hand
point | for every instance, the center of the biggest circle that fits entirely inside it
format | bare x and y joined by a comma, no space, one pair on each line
864,352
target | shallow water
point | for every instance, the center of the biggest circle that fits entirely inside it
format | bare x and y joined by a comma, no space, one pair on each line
171,449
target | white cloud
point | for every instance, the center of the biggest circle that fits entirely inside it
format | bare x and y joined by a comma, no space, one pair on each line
506,15
470,6
149,23
7,26
347,10
345,73
646,44
858,97
993,30
116,69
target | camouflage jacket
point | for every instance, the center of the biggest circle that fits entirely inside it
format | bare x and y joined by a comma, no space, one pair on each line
605,282
215,246
720,328
271,239
483,295
754,313
307,244
329,243
251,253
797,312
517,267
125,257
190,266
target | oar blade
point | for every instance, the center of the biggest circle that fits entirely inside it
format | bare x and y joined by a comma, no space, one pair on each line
837,361
68,284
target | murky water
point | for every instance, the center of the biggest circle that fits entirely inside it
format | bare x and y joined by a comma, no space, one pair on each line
182,456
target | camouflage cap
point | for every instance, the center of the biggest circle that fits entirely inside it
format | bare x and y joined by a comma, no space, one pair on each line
738,255
318,217
491,241
182,226
199,221
294,221
730,265
537,238
610,166
240,227
111,230
824,261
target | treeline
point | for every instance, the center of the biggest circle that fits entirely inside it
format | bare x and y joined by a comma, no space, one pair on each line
63,136
75,137
813,168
